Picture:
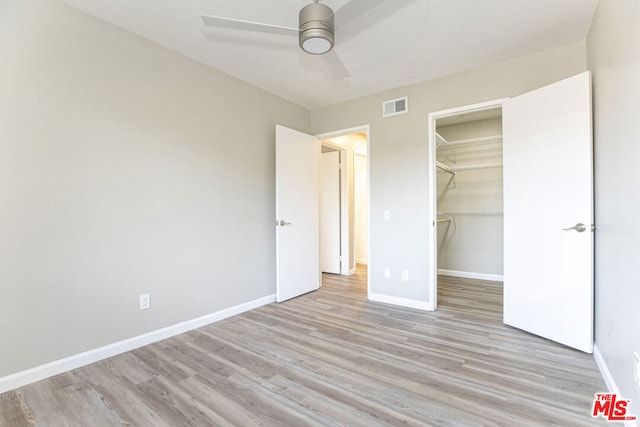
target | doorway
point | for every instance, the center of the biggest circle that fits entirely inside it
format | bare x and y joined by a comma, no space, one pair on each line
466,194
351,147
548,209
331,203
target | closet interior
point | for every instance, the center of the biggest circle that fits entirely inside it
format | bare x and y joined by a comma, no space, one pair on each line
469,195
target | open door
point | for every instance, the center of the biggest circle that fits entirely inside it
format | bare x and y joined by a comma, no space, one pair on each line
548,212
297,213
330,212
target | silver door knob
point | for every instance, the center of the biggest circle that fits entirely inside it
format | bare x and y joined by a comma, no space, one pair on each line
282,223
579,227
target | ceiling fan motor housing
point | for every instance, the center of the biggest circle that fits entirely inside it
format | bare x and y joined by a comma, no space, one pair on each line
316,28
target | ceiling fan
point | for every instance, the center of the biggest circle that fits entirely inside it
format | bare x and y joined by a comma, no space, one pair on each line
317,25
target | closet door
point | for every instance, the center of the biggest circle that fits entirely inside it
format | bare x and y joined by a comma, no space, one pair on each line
548,212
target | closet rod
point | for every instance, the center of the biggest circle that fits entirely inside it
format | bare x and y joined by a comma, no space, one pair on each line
444,167
451,220
472,213
476,167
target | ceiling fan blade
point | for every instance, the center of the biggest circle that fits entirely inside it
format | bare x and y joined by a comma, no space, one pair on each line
353,9
240,24
335,65
358,15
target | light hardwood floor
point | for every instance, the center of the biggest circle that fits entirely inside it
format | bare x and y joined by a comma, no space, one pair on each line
330,358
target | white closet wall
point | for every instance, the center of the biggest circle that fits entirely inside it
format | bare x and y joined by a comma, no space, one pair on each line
470,231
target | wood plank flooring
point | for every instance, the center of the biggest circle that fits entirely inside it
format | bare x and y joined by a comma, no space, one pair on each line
330,358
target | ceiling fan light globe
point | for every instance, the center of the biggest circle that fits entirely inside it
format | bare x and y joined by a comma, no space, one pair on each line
316,45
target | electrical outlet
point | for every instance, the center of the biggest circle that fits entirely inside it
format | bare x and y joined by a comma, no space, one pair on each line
387,272
387,215
636,368
145,301
405,275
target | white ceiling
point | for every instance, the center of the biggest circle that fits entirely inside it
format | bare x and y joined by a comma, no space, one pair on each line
398,42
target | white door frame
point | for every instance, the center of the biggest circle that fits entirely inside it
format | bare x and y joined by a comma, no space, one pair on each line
344,191
345,241
432,239
344,205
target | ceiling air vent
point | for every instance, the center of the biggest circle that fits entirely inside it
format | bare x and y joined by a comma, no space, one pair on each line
395,107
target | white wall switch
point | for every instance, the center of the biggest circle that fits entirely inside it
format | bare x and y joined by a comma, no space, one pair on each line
405,275
387,215
387,273
145,301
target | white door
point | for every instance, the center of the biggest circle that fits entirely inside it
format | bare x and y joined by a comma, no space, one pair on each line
548,212
297,213
330,213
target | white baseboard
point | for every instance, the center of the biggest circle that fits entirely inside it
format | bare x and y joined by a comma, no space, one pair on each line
362,261
608,379
20,379
472,275
404,302
604,370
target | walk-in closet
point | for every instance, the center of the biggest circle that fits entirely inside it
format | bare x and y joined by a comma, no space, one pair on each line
470,196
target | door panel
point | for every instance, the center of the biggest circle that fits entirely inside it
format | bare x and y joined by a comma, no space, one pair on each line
297,213
548,186
330,213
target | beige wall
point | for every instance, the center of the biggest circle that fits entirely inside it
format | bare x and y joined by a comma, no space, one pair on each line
399,158
614,58
124,169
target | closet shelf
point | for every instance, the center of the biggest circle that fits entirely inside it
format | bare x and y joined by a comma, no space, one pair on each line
476,167
453,169
485,139
441,140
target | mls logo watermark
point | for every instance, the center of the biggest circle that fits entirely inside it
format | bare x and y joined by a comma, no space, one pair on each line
610,407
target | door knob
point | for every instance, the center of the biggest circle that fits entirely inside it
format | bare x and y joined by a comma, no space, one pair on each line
579,227
282,223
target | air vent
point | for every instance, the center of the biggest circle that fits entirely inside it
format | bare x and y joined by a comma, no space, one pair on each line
395,107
